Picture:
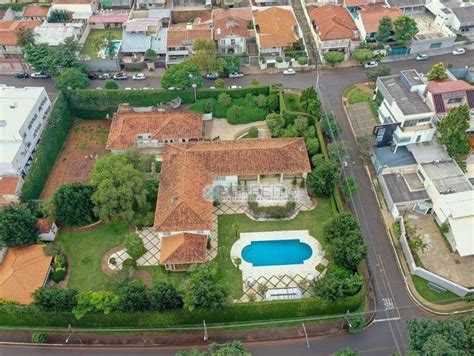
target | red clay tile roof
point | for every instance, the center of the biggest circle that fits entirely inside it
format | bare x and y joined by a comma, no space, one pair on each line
44,225
33,10
23,270
373,13
8,30
276,27
244,13
160,125
228,26
188,169
333,23
183,248
179,35
108,18
447,86
9,185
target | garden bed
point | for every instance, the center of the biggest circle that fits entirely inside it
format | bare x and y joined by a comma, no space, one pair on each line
91,48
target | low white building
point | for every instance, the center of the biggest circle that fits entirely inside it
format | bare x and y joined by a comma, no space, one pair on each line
75,6
55,33
24,113
402,102
455,14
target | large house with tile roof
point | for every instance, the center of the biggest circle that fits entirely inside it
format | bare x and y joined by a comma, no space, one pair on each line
232,29
8,39
334,29
368,19
153,129
191,173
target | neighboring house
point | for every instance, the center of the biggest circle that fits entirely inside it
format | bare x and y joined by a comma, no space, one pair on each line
35,12
368,19
150,4
75,6
232,4
408,6
355,5
10,187
24,113
106,19
47,229
179,252
153,129
403,105
114,4
8,39
442,96
333,29
232,29
22,271
276,30
181,37
456,14
191,172
55,33
145,30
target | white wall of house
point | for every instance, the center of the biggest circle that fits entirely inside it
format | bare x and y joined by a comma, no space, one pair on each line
360,26
238,43
226,181
162,234
51,235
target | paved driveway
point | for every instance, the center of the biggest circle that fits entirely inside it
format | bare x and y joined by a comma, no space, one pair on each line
361,118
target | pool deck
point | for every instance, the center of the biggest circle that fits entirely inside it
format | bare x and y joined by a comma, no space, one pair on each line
306,270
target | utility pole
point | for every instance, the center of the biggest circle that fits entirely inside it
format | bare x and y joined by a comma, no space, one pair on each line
205,330
306,336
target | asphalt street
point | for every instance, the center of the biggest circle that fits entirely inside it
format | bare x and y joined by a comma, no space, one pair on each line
394,306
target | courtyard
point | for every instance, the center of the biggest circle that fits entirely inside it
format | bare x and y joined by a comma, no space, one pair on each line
93,43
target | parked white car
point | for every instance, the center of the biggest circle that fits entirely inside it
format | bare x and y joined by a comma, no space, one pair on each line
234,87
421,57
139,76
236,75
289,71
459,51
371,64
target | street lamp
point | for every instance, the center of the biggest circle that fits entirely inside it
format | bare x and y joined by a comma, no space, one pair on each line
194,86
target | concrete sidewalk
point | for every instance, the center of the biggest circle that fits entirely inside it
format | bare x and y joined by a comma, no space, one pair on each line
436,52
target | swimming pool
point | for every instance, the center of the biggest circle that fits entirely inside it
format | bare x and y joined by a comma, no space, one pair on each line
276,252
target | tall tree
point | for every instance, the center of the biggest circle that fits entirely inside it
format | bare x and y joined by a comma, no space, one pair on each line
25,36
437,72
453,134
72,78
205,56
385,30
72,205
275,123
58,16
17,226
36,55
322,179
307,96
405,29
182,76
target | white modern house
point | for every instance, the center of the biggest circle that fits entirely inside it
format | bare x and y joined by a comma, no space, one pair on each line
402,102
456,14
23,116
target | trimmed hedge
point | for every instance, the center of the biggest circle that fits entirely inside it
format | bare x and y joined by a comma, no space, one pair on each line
54,135
245,114
16,315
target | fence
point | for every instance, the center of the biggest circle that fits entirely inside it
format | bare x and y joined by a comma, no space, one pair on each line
425,274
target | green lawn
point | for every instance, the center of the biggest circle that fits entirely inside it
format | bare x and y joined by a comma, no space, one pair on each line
90,46
430,295
292,101
229,275
359,96
85,251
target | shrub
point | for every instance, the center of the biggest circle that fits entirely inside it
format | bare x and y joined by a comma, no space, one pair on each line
356,323
58,276
312,145
72,205
97,302
331,126
337,283
333,57
273,102
39,338
245,114
275,123
322,179
338,152
55,299
134,246
52,249
133,297
278,59
111,84
302,61
164,296
219,83
17,226
150,55
55,134
272,212
224,99
130,262
260,101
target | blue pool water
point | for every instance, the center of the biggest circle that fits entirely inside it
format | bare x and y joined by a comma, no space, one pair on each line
276,252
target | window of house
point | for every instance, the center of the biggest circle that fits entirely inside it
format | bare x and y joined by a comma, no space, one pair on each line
435,45
232,41
455,100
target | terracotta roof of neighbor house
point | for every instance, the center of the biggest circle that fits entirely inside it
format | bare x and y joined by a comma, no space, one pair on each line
447,86
9,185
23,270
73,2
189,168
333,23
276,27
184,248
160,125
373,13
33,10
244,13
228,26
180,35
8,30
44,225
360,2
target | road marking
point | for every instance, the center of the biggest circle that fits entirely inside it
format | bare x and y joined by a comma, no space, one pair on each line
388,303
387,319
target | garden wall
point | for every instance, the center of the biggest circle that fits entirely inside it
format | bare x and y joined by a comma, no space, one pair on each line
15,315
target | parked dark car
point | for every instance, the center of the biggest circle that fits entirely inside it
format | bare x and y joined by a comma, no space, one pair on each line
92,76
40,75
22,75
120,76
104,76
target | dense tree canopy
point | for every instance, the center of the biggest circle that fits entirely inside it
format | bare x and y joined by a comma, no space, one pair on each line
405,29
333,57
72,205
338,152
17,226
337,283
55,299
385,30
72,78
57,16
331,126
164,296
182,76
205,56
323,178
437,72
133,297
25,36
111,84
275,123
452,129
362,55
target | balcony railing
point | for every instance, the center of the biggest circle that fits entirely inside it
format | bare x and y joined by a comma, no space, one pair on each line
427,126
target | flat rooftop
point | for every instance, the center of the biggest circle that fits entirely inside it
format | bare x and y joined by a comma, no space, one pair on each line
405,187
389,159
410,103
427,28
427,152
447,176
